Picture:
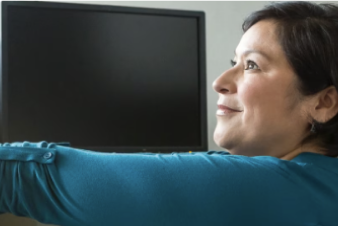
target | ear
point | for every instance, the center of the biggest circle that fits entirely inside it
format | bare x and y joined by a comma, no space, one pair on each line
325,105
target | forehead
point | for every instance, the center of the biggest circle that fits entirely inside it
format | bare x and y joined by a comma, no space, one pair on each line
261,37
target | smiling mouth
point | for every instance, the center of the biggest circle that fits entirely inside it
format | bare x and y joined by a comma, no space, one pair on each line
224,110
222,107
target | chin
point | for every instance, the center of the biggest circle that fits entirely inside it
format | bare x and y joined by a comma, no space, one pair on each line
223,141
228,140
230,145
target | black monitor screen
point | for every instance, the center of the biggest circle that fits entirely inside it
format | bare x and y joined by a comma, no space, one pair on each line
98,78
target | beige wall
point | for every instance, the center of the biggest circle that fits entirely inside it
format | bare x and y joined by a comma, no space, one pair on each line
10,219
224,19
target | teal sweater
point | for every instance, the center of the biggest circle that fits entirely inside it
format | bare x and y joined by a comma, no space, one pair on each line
61,185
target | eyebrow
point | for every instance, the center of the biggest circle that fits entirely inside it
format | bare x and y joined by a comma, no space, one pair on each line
247,52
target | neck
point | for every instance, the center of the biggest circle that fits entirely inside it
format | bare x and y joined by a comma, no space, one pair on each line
305,148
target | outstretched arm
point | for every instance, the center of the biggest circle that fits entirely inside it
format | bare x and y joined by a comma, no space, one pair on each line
66,186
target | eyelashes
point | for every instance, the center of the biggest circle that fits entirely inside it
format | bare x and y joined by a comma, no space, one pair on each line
232,63
250,65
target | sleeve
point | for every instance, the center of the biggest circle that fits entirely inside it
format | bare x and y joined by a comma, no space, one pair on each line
66,186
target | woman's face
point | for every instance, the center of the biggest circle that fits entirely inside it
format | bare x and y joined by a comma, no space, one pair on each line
262,85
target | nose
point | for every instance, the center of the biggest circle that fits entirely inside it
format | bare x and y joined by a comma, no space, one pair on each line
225,83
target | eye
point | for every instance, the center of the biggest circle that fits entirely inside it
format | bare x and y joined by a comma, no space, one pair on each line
251,65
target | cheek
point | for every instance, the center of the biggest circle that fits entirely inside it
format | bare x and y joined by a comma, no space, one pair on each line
263,102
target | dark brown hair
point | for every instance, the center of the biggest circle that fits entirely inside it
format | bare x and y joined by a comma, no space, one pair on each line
308,34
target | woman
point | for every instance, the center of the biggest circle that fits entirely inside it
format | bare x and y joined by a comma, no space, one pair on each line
277,117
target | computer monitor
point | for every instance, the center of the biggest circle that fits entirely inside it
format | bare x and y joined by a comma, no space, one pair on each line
103,78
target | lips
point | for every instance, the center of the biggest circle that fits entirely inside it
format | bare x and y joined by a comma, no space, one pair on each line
226,108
